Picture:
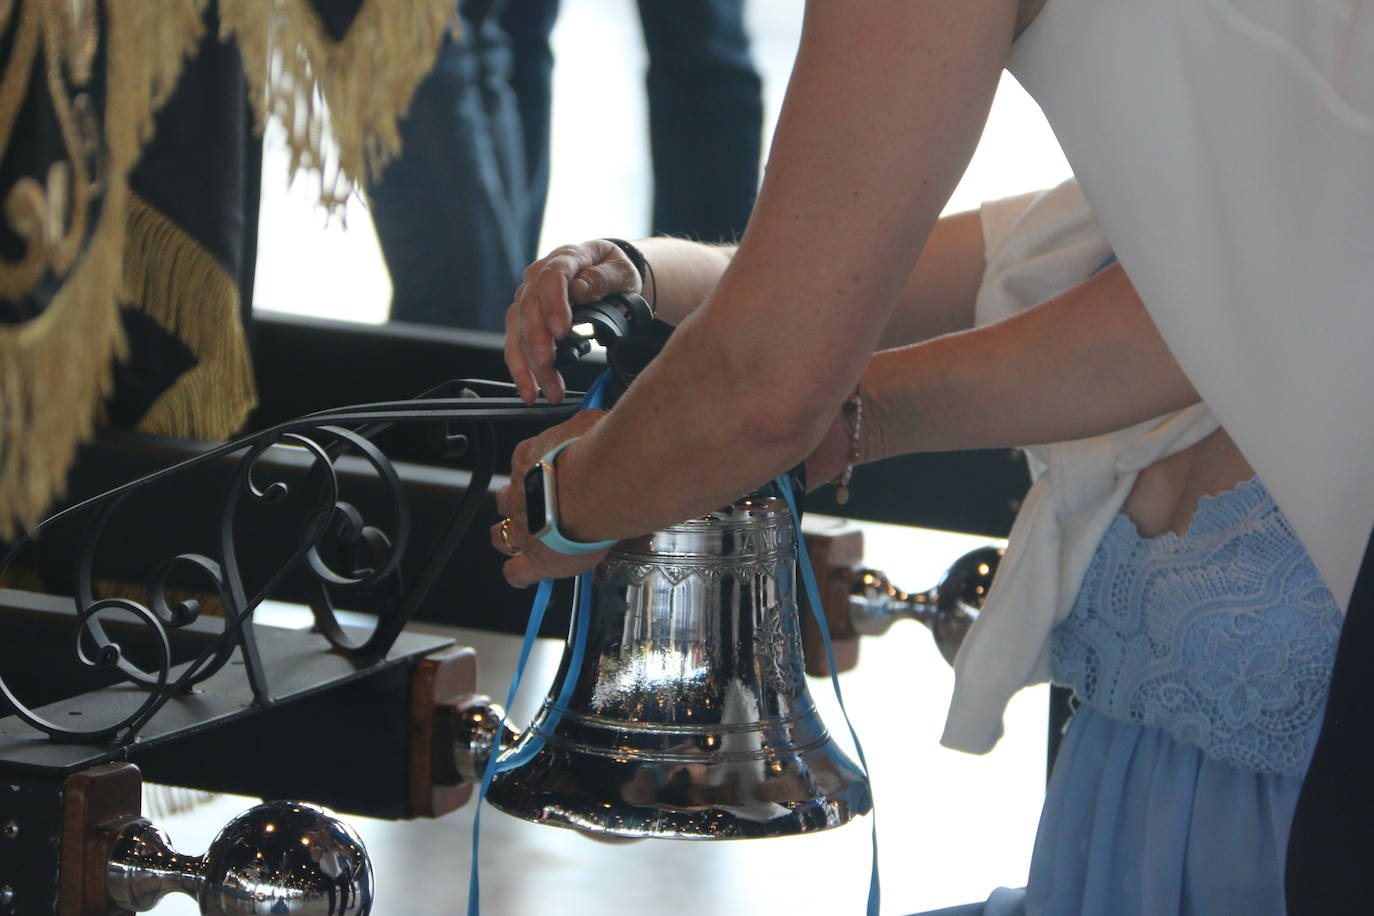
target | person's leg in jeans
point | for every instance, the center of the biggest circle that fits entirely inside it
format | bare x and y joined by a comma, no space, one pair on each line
705,117
528,24
450,209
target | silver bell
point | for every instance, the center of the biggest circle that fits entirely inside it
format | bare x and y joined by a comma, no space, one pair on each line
688,715
275,859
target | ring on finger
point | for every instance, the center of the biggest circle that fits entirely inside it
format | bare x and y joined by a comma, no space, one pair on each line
504,531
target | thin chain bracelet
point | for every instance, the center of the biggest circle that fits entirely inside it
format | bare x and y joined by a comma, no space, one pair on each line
854,415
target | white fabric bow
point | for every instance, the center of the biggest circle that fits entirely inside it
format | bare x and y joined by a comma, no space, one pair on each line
1037,247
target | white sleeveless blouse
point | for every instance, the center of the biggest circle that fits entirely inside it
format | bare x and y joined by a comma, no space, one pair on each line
1227,150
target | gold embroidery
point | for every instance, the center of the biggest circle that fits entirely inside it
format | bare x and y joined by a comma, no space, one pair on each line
18,68
55,368
50,217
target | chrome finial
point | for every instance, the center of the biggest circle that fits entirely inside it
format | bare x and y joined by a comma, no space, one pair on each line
277,858
478,728
948,609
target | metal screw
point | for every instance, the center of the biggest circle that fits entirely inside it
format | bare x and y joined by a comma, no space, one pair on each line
10,830
6,896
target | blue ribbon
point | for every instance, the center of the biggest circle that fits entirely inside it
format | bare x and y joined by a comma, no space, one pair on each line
531,743
541,604
813,598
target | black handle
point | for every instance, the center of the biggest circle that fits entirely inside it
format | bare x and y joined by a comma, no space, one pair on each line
625,325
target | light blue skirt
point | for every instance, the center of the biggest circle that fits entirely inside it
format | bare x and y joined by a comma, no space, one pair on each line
1202,662
1138,823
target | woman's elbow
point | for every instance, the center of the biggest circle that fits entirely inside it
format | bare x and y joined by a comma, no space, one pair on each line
785,424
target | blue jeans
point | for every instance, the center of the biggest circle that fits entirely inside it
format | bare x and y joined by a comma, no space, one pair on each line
450,211
459,213
705,112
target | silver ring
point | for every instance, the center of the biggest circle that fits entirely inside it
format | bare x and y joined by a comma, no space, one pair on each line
505,533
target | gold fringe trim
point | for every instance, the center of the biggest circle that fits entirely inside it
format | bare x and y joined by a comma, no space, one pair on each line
182,287
54,371
354,90
147,44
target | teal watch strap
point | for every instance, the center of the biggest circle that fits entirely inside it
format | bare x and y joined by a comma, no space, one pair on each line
553,538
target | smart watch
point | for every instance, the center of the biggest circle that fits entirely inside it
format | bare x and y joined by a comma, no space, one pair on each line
541,506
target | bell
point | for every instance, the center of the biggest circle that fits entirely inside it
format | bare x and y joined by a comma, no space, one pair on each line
680,708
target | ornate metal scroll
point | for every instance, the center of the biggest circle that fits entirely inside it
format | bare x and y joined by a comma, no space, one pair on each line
327,527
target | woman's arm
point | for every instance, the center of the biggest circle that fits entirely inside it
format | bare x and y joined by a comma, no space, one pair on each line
938,296
1085,363
886,102
681,275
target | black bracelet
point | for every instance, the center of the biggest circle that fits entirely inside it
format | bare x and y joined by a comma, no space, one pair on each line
641,265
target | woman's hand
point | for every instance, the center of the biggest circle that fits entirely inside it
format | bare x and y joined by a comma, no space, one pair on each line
530,561
542,311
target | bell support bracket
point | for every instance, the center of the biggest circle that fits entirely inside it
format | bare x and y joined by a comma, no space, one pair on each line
441,686
97,804
835,548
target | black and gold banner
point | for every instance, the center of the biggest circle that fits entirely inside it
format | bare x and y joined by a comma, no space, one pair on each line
128,199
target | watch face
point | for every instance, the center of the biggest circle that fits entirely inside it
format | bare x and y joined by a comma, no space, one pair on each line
536,508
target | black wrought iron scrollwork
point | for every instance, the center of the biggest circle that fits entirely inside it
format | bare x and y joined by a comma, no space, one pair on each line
334,547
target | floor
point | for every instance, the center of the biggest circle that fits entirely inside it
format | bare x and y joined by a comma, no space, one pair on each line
951,826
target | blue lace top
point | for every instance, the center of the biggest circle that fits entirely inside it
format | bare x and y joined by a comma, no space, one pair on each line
1201,664
1223,637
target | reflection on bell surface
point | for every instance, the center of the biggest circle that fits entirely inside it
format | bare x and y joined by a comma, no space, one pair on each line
687,714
